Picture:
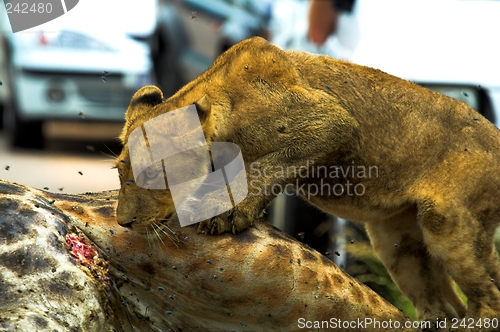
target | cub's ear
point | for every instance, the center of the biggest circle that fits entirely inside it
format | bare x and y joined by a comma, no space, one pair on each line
147,96
203,107
142,101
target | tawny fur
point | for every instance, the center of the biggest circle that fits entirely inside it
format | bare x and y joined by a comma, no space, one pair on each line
436,193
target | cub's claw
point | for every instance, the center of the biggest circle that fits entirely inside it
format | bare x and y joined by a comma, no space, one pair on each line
201,226
232,220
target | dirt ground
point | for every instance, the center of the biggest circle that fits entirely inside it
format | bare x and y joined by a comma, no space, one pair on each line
70,148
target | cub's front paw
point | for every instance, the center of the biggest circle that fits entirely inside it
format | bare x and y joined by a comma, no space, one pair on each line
234,220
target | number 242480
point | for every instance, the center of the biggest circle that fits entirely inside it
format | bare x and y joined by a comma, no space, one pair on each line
25,8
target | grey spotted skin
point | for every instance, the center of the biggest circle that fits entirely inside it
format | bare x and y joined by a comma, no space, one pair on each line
41,287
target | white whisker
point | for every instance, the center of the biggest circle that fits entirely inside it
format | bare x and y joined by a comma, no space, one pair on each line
112,155
155,229
160,228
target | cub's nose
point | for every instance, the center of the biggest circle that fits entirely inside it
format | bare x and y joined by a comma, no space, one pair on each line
126,222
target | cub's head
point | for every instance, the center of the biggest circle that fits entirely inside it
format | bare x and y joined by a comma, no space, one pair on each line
159,139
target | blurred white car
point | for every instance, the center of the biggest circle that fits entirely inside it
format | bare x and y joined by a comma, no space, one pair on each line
84,64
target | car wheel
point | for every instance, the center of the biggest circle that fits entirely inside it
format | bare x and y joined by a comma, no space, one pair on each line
22,133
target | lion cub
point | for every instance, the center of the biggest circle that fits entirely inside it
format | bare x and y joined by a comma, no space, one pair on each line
437,189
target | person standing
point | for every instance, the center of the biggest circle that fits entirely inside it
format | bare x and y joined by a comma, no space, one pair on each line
323,18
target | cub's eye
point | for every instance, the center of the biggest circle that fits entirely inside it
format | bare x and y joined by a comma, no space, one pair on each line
152,173
152,177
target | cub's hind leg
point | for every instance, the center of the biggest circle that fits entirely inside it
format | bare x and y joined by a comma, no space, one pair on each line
458,240
485,250
399,243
